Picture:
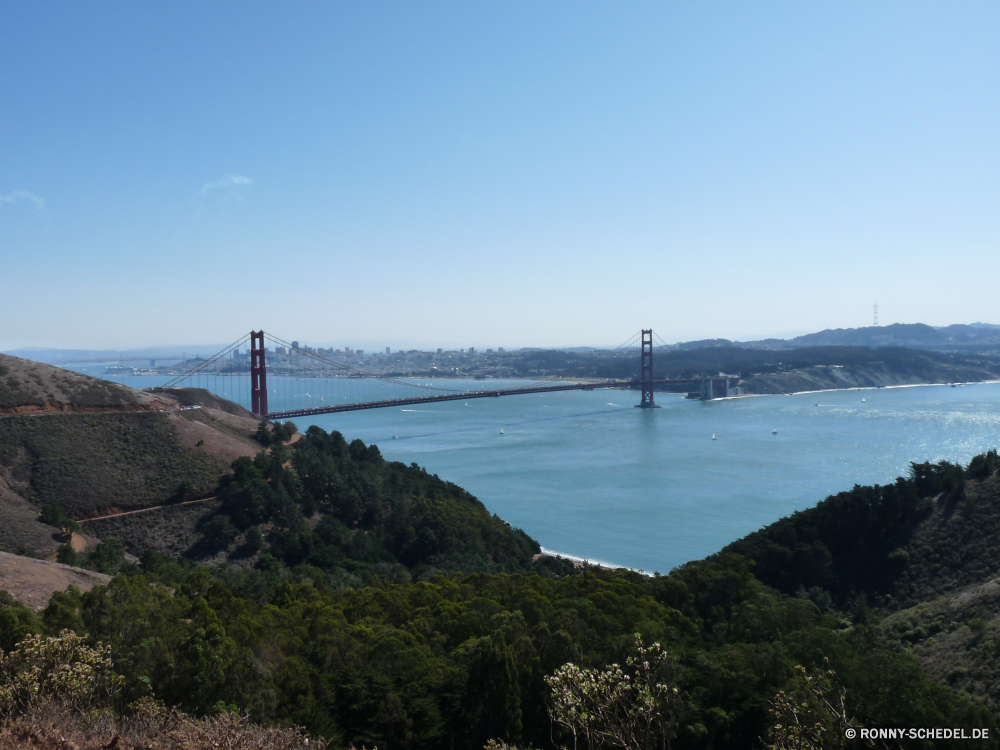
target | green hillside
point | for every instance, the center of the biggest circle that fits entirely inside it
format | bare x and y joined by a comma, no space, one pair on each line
345,510
90,463
931,532
90,447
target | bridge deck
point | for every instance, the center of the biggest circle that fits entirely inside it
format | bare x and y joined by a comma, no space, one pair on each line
447,397
288,414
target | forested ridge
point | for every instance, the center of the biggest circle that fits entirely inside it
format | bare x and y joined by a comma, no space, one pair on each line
460,659
932,531
373,603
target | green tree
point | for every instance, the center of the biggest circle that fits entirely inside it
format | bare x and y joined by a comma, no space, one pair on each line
219,532
263,434
16,622
54,515
253,540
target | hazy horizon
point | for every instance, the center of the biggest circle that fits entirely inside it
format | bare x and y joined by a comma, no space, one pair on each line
162,351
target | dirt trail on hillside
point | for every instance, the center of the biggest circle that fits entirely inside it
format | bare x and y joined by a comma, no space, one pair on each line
146,510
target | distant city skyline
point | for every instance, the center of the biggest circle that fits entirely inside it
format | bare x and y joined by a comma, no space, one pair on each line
517,175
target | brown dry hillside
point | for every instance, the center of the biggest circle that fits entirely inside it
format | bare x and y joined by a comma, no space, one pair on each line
28,387
94,447
33,582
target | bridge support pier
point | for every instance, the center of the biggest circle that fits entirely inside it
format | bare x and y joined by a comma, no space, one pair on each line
646,372
258,374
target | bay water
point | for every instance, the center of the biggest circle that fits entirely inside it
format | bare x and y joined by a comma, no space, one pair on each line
590,476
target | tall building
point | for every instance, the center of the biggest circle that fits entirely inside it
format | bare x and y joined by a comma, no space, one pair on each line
295,345
387,350
439,350
499,350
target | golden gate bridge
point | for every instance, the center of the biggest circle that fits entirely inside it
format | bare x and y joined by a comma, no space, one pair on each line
340,386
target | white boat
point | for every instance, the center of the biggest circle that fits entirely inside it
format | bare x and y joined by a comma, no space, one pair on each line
713,436
393,437
501,430
862,401
774,431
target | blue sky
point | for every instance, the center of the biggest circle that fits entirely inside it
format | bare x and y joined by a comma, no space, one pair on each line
494,174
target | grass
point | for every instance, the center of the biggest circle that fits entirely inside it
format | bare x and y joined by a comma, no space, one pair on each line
13,394
200,397
171,531
90,463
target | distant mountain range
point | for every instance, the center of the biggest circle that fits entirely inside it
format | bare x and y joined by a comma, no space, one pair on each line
973,337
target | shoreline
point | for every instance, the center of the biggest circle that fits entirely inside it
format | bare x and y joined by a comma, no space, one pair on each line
861,388
586,561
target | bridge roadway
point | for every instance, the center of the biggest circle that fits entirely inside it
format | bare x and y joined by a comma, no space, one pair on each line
288,414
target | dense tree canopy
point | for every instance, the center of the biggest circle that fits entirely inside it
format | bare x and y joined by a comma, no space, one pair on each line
389,608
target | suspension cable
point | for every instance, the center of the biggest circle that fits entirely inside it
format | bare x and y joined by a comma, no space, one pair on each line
205,363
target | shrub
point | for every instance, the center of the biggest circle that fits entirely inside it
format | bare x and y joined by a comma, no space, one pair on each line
813,716
182,492
62,669
67,556
899,558
54,515
616,707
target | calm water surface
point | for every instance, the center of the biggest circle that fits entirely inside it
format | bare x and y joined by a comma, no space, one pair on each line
588,475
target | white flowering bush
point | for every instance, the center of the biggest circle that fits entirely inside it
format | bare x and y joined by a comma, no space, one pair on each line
63,669
621,707
814,717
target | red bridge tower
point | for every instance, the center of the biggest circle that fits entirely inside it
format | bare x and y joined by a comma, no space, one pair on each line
646,374
258,374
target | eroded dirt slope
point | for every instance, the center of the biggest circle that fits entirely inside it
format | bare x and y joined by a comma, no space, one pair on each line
32,582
